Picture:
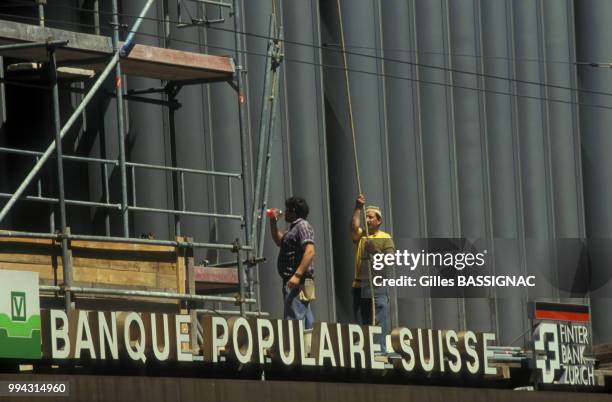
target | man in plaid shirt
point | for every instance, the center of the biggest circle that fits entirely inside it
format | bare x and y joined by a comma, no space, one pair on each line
295,259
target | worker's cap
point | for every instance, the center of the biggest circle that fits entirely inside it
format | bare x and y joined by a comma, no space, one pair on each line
374,209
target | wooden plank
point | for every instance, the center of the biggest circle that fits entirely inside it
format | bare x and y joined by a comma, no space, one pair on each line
167,282
47,242
103,245
92,52
126,303
123,265
227,275
27,258
111,277
95,277
94,263
90,263
44,271
168,64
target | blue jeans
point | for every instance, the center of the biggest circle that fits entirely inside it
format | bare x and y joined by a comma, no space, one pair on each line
362,308
295,309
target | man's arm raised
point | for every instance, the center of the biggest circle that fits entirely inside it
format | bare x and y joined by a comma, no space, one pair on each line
356,218
277,234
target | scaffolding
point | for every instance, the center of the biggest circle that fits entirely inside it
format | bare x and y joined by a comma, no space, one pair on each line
110,57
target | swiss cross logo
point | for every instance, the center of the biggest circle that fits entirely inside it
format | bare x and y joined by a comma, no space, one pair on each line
546,346
18,306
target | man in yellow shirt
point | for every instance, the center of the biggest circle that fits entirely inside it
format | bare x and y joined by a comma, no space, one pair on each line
376,241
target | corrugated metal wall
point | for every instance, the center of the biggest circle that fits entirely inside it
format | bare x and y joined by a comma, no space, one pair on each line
453,139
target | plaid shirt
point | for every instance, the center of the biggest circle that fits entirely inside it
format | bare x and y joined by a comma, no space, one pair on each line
300,234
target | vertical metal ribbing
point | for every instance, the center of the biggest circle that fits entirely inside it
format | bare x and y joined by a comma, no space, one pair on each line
120,125
452,141
500,120
57,126
302,139
517,159
576,119
548,170
384,123
318,58
484,142
576,137
436,146
285,118
593,38
423,223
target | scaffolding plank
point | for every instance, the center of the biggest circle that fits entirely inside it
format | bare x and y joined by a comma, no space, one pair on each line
92,51
215,280
96,264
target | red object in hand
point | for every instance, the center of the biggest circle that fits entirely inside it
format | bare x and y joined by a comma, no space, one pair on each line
272,212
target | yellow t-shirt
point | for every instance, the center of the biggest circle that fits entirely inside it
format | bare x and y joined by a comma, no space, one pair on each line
383,244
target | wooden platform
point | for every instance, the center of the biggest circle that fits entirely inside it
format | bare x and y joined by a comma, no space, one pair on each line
92,52
97,264
115,265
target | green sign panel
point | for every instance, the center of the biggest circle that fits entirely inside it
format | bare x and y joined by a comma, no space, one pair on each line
20,336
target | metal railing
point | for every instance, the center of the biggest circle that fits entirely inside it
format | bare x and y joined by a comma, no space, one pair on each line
177,173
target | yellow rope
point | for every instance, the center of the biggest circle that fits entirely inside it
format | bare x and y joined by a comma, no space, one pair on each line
275,19
348,94
350,110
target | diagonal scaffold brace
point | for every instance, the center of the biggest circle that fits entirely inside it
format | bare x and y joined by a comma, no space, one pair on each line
266,131
121,52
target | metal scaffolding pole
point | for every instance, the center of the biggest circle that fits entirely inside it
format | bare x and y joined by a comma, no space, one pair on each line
242,117
147,293
120,124
57,126
96,16
41,12
241,279
262,150
21,46
75,115
33,235
263,133
277,57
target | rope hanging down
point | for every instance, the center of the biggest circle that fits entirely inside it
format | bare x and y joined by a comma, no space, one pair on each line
352,123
